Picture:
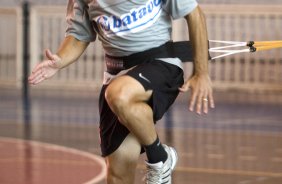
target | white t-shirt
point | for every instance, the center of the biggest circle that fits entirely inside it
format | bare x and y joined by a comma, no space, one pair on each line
125,26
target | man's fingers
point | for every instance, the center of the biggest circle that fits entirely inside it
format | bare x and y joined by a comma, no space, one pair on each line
38,75
211,101
37,71
199,102
192,100
36,79
201,94
36,68
205,101
35,76
205,106
45,69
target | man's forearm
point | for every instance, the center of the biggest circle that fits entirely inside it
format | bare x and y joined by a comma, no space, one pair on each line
199,39
70,50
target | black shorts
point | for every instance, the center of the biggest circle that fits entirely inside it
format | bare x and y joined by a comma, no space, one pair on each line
161,77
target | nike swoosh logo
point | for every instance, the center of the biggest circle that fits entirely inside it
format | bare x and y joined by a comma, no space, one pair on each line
142,77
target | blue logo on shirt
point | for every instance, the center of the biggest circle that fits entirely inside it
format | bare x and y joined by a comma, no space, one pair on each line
137,19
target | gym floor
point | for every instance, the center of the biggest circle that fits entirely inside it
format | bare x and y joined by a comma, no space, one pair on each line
56,140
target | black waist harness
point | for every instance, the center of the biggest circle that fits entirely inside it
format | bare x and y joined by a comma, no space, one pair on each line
182,50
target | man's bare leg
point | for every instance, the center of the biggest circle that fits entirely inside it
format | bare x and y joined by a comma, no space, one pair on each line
123,162
127,98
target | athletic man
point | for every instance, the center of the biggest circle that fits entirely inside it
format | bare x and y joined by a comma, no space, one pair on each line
144,76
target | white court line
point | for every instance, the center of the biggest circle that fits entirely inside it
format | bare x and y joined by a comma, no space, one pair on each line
93,157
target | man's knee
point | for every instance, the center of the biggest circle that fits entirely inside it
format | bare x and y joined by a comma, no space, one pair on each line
117,94
124,91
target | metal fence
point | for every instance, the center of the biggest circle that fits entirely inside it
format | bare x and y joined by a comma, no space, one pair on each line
10,46
225,22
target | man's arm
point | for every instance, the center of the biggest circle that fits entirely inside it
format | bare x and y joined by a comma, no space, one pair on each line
199,82
199,38
69,51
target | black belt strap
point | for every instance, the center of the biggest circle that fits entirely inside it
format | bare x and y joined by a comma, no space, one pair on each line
182,50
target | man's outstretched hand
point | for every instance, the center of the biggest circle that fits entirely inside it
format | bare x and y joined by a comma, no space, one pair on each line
201,89
46,69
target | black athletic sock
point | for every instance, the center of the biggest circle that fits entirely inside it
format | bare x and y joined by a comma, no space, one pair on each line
155,152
